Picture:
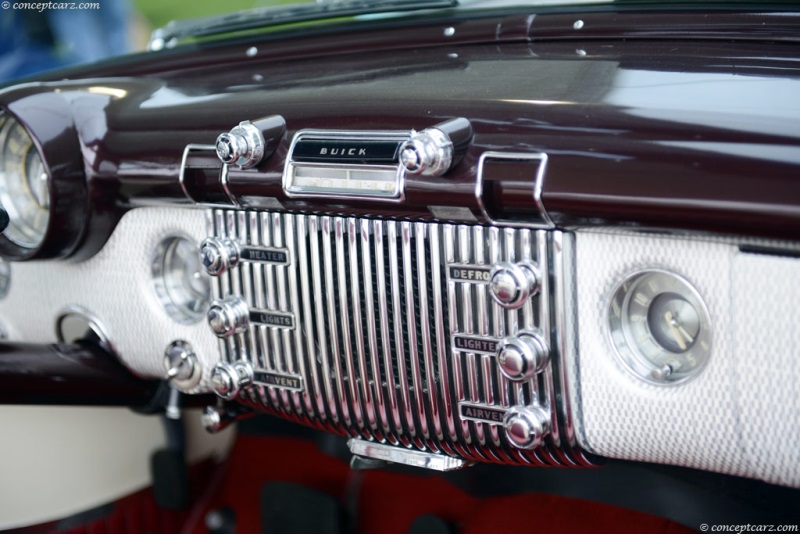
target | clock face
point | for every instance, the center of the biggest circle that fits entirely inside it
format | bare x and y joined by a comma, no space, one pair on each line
660,327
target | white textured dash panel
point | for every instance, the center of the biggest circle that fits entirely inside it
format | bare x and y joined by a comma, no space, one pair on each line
740,415
766,334
116,287
693,424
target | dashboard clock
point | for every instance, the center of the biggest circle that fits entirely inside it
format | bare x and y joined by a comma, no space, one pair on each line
660,327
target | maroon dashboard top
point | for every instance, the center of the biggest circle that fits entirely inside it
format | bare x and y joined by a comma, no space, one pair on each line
673,121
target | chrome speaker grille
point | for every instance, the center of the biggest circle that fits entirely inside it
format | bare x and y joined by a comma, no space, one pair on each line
374,314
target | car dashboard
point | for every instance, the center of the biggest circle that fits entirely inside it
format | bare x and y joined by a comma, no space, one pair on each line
550,239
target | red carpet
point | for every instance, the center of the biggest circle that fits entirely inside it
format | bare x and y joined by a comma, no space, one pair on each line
388,502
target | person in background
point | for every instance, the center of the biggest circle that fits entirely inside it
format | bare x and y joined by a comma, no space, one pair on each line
33,41
92,34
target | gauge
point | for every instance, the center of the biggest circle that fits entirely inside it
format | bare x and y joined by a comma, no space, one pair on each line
182,285
660,327
24,185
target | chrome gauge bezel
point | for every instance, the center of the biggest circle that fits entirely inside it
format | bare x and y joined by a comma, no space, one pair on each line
24,230
164,288
631,345
56,141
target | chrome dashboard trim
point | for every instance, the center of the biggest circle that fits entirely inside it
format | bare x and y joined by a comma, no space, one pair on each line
547,222
400,136
223,180
182,175
387,453
375,318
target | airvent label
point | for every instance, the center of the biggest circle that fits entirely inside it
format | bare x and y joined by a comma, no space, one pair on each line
271,318
471,274
492,415
278,380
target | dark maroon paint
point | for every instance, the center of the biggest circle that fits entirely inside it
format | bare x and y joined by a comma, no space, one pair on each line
81,374
644,125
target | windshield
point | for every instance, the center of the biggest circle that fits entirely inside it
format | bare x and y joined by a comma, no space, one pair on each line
37,36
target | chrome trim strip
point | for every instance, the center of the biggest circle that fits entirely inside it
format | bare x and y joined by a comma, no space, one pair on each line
287,363
293,234
388,453
223,180
406,231
421,233
314,233
275,356
537,188
398,316
441,337
467,322
308,235
377,407
452,294
344,319
330,300
383,305
258,300
184,158
566,342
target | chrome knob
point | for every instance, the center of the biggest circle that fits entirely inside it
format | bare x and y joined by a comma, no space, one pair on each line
243,146
228,316
526,427
181,363
218,255
435,150
511,284
429,152
522,356
228,379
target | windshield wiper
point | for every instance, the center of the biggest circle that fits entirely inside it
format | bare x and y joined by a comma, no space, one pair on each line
173,32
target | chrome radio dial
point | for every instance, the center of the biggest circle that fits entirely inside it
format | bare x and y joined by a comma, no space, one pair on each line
243,146
660,327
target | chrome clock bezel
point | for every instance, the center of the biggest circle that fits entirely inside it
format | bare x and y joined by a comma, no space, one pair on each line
631,354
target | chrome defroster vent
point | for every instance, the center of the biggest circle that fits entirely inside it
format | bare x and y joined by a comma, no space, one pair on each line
388,332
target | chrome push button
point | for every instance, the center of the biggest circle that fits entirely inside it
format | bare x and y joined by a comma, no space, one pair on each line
526,426
522,356
219,255
511,284
228,379
228,316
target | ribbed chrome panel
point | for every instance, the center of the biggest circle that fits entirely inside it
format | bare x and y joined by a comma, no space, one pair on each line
375,313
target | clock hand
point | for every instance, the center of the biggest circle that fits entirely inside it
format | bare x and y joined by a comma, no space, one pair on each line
675,332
